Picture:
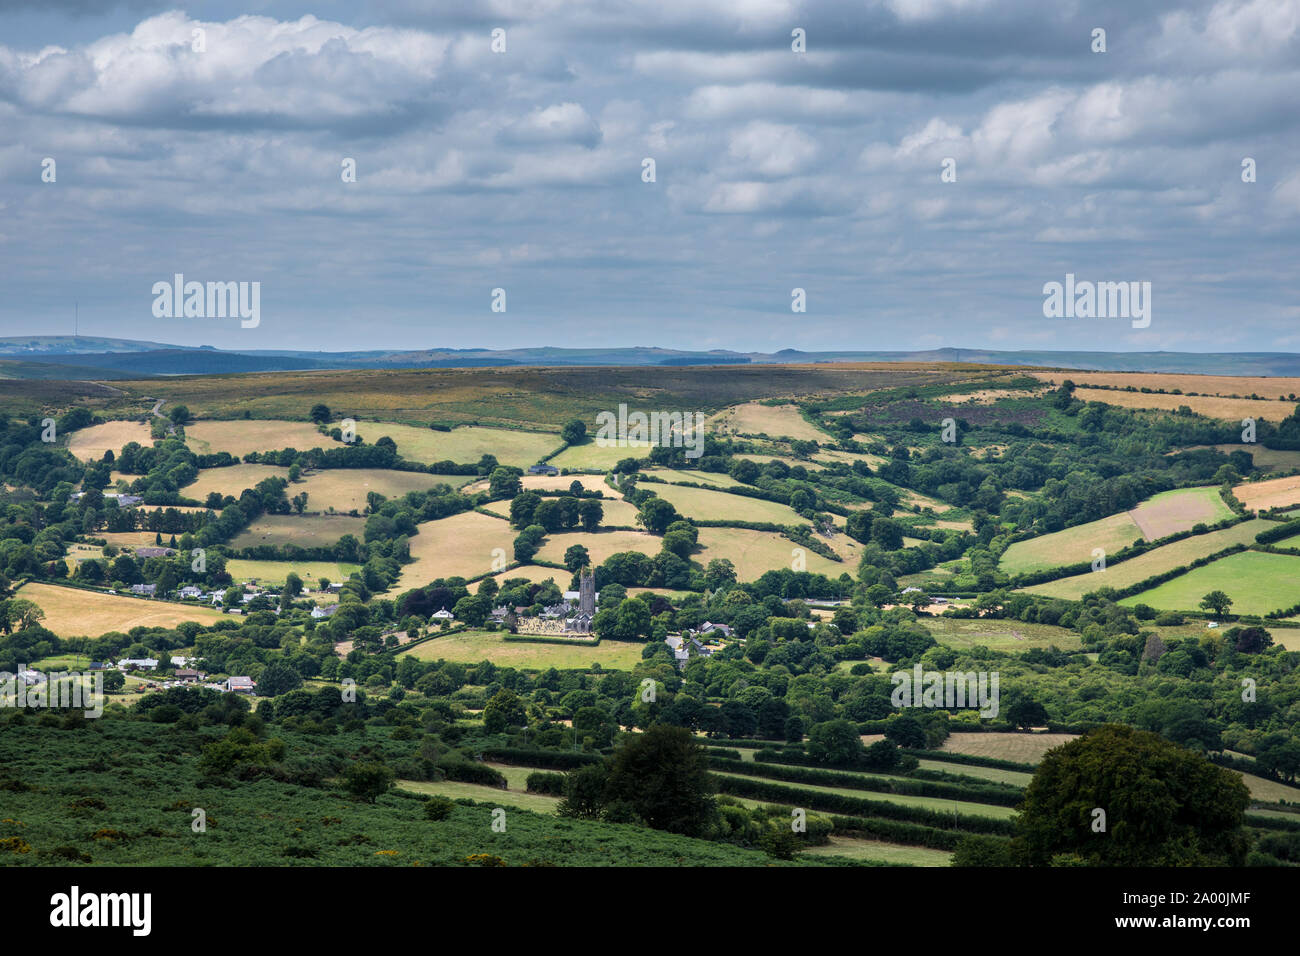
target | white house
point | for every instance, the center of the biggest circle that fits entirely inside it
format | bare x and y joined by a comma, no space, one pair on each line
443,615
137,664
148,590
190,591
240,685
320,613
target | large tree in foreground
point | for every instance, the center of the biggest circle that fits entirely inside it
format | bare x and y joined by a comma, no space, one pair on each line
1163,805
662,775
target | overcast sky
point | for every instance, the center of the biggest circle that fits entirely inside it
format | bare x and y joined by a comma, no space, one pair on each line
522,170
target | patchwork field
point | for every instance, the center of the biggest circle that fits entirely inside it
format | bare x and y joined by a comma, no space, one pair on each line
775,421
721,506
71,612
999,635
275,572
461,545
232,480
1274,493
1160,515
754,552
242,436
593,457
89,444
470,647
463,445
1257,582
1212,406
1164,558
305,531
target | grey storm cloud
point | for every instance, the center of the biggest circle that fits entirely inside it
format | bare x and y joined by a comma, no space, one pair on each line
213,140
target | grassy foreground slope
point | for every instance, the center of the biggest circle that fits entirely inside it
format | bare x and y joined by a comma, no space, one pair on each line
144,785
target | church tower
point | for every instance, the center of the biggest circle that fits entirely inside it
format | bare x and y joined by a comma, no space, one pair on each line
587,592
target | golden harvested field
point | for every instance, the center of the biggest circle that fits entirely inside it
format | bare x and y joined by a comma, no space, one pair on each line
89,444
719,505
242,436
344,489
616,511
600,544
775,421
1180,510
754,552
1157,561
1229,409
306,531
1266,459
1205,384
461,545
463,445
1271,791
232,480
72,612
1021,747
593,457
1274,493
470,647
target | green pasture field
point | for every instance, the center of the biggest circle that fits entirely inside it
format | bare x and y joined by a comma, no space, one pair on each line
907,800
998,634
1157,561
1071,545
880,852
305,531
590,456
471,647
275,572
1257,582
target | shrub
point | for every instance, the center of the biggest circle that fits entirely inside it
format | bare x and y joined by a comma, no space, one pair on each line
438,808
551,784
